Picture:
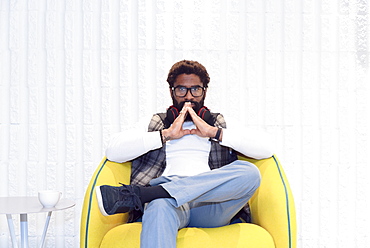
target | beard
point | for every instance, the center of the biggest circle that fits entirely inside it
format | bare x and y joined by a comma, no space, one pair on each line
197,106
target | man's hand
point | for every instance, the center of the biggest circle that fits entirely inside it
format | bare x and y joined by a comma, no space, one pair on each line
175,131
203,129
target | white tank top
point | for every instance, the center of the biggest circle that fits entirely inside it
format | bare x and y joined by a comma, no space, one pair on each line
187,156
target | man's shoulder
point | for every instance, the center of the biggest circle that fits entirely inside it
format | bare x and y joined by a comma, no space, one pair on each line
159,116
219,120
157,122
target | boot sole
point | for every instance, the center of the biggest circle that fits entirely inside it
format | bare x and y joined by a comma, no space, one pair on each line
100,201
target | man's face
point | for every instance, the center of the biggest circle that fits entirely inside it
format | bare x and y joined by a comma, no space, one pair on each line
188,80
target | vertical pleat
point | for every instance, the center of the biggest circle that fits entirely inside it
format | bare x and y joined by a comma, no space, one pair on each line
74,72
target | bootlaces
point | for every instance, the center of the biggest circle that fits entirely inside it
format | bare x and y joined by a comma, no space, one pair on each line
128,191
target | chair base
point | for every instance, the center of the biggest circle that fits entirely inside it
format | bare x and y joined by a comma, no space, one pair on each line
236,235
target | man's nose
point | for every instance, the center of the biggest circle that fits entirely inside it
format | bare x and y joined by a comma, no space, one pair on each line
188,96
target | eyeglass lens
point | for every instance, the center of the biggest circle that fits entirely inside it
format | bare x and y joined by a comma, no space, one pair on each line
181,91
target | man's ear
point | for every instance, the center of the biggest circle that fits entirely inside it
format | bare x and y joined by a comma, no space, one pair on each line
205,93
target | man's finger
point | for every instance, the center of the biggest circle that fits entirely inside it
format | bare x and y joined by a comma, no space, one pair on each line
183,113
186,105
186,131
194,131
191,111
194,116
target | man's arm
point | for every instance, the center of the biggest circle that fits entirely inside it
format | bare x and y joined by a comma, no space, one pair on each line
133,143
130,144
250,142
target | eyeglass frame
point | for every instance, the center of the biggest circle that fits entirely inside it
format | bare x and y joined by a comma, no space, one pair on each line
187,90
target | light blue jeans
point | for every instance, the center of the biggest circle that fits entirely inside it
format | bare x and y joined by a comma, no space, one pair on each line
209,199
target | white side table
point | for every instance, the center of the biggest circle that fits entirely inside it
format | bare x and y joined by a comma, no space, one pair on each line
24,205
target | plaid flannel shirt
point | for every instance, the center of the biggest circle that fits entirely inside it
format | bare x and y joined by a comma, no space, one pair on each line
153,163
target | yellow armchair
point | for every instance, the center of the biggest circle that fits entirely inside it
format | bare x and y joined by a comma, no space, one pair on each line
272,209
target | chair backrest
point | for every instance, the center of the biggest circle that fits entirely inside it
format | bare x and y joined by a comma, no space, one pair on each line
94,225
272,205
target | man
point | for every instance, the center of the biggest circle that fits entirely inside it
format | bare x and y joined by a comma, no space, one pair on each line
188,159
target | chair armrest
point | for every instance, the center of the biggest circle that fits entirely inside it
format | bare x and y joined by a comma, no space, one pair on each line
94,225
272,205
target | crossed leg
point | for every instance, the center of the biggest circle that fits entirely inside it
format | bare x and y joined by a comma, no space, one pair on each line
209,199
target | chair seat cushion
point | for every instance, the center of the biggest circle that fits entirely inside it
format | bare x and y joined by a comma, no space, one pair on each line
236,235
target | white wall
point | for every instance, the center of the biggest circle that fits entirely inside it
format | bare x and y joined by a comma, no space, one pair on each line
72,72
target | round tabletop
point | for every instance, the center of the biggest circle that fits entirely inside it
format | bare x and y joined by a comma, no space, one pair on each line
29,204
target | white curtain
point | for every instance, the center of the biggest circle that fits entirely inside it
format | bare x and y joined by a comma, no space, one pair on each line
74,71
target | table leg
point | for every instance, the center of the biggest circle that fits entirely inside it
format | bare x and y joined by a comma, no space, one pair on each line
45,230
24,231
11,230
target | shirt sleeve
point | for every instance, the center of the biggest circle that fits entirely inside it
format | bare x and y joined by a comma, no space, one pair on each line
132,143
251,142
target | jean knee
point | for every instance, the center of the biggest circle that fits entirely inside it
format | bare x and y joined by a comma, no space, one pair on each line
248,172
164,209
160,205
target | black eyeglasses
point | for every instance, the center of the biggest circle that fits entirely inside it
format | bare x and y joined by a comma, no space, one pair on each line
181,91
